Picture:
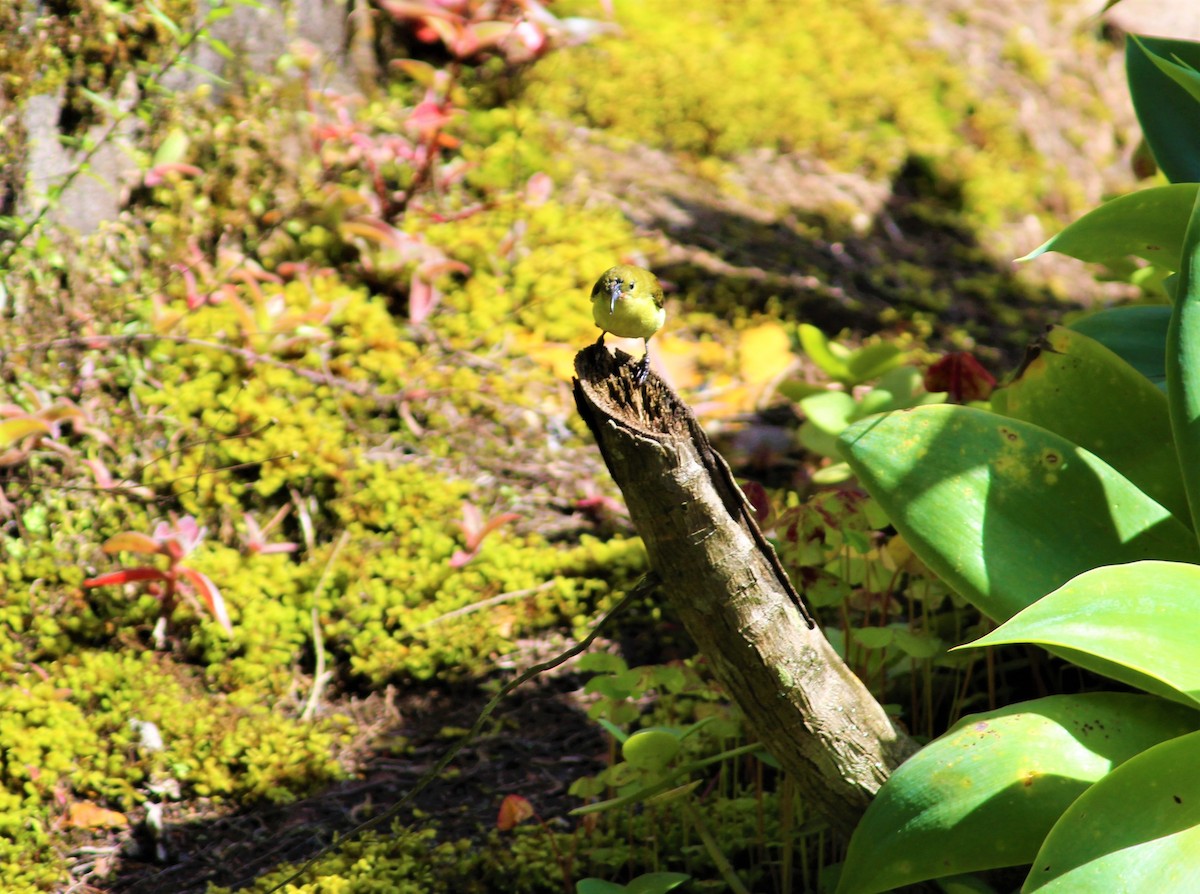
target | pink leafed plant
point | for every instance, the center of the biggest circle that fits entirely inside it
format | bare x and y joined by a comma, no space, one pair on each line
174,541
475,528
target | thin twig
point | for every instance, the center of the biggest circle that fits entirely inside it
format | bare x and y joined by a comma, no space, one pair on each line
320,675
358,389
485,603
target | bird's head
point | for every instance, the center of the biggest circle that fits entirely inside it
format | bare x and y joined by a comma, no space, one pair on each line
626,280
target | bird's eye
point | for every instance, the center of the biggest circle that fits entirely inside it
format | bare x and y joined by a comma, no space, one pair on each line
630,285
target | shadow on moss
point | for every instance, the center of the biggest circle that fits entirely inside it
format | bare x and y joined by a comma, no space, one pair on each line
537,746
919,260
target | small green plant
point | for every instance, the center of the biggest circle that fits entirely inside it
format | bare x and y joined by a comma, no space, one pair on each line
1070,514
895,615
873,378
684,782
174,541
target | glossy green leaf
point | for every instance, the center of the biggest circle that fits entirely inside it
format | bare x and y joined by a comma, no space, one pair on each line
1183,365
897,389
829,411
965,884
986,793
1169,115
1136,830
651,749
1142,619
1002,510
1136,333
173,149
827,355
1148,224
873,360
1175,68
656,882
1078,388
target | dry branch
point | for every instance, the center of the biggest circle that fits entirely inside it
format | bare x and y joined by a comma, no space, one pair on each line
724,581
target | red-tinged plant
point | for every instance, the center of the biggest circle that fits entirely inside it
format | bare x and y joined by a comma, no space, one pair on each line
255,539
106,481
961,376
475,529
24,430
161,173
597,505
518,30
384,248
174,542
760,502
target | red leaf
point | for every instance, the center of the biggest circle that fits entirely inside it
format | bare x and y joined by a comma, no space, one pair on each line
961,376
422,299
211,595
756,494
125,576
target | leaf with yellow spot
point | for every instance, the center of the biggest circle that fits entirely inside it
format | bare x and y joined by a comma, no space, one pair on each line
1002,510
1074,385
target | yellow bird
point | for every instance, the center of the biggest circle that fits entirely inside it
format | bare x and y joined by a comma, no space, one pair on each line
628,301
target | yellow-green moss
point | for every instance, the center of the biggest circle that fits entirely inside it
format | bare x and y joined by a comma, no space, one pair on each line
397,607
405,861
72,730
852,83
540,290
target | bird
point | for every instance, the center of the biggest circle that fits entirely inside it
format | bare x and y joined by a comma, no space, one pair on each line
628,302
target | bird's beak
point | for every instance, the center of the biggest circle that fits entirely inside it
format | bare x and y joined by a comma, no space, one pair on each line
616,294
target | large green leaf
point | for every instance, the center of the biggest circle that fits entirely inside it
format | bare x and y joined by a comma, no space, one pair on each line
1167,110
1136,333
1005,511
1183,365
1142,619
1136,830
1079,389
986,793
1148,224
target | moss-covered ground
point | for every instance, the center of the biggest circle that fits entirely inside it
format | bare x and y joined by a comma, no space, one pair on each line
333,334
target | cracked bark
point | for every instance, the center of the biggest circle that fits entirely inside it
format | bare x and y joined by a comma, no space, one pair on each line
723,580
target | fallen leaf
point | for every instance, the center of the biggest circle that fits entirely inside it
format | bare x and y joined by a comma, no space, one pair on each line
86,815
513,810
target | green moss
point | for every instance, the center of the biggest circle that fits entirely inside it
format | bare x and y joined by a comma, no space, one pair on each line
405,861
854,84
541,294
74,731
398,608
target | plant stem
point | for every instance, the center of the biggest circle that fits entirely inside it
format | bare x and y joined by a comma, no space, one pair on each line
714,849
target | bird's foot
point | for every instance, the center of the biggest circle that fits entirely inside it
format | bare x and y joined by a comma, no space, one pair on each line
642,371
